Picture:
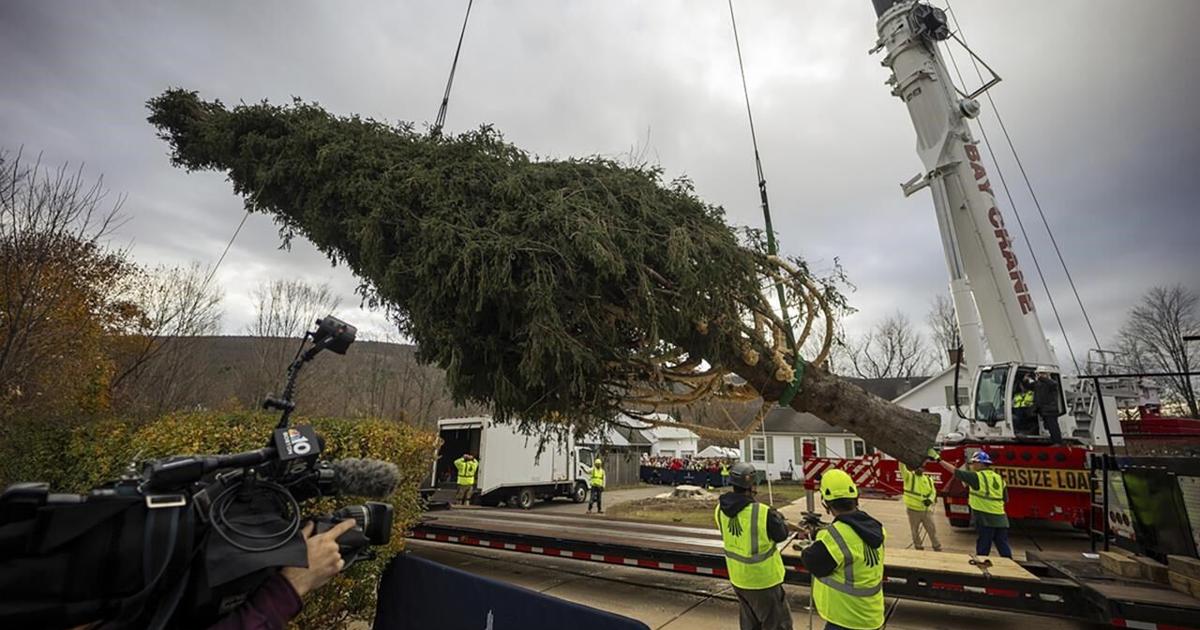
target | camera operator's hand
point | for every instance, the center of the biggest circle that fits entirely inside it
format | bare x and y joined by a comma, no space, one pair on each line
324,559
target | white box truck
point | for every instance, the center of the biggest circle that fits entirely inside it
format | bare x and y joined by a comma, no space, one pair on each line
510,468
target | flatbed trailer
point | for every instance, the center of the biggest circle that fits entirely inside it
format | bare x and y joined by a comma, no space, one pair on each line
1062,585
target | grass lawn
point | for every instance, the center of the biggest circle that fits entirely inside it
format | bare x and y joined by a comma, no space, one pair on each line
693,512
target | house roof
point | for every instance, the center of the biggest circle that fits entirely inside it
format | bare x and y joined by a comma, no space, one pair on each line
784,420
923,384
652,434
888,388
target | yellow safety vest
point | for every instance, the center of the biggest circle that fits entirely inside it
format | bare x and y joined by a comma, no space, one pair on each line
750,555
851,596
466,471
724,470
1023,399
989,498
597,477
917,490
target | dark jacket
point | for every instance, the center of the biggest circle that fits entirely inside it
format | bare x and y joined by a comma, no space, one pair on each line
269,608
734,502
1045,397
817,559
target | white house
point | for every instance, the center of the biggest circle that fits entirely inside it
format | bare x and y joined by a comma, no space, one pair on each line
934,395
667,441
787,436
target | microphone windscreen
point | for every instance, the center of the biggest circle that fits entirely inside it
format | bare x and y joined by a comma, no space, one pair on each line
365,477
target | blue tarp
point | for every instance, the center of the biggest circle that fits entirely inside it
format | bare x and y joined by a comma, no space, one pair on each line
416,593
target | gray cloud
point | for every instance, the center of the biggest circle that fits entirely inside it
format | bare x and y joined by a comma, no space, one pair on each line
1099,97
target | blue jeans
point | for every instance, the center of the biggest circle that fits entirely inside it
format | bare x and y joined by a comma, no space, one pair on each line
829,625
988,535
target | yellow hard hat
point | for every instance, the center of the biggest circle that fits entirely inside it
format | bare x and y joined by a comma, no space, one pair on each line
599,461
836,484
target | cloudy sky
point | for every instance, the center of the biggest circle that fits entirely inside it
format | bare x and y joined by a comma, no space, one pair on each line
1100,98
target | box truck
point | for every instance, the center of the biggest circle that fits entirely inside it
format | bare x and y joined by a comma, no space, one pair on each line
511,469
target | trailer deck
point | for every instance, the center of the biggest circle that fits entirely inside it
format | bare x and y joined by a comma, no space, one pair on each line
1063,585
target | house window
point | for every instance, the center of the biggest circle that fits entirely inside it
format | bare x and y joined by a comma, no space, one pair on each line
964,396
822,449
758,449
860,448
667,453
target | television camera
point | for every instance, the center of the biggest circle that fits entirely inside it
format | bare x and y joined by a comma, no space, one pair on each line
180,541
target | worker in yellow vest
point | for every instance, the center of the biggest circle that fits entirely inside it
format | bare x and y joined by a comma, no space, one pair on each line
724,474
919,499
846,560
597,487
987,495
1025,421
750,532
466,466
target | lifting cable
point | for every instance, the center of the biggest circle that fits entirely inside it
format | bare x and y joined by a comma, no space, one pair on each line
1013,204
441,115
773,250
1029,186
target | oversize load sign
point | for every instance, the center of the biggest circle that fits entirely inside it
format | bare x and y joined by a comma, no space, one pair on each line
1045,478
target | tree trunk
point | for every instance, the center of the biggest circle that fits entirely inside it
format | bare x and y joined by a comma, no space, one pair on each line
902,433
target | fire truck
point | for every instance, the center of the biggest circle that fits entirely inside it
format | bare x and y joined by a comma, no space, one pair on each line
991,294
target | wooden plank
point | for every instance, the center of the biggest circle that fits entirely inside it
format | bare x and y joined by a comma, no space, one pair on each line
1141,593
1152,569
1184,584
1185,566
959,563
1118,564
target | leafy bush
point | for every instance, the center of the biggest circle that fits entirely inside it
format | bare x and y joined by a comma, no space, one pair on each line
78,458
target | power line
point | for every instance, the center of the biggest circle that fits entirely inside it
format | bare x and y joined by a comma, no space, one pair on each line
1029,186
1013,204
441,116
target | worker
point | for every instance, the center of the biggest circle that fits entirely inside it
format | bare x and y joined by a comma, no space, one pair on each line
597,487
987,494
1045,405
750,532
1024,420
466,466
724,474
919,497
846,560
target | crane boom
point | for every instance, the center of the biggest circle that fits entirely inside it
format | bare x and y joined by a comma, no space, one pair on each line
978,246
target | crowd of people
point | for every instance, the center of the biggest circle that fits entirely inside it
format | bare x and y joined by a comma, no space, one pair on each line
700,471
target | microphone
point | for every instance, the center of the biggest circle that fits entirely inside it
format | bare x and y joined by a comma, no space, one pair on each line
365,477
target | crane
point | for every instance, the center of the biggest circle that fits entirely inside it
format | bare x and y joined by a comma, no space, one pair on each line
991,295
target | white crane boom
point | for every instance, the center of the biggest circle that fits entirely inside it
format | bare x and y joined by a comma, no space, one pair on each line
978,246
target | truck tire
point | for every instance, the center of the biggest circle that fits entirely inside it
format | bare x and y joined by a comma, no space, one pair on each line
524,499
579,493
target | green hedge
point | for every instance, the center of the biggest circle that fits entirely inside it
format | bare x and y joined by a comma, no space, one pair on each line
75,459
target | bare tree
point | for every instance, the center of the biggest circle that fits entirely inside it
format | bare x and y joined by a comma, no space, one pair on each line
282,309
155,369
892,348
943,326
1152,338
58,284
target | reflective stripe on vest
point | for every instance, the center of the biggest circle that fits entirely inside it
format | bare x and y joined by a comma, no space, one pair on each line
914,496
762,568
1023,399
847,584
989,498
597,477
466,472
841,600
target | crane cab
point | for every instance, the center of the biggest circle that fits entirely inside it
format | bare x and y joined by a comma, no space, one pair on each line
997,401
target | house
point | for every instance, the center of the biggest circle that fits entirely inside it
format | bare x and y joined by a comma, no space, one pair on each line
720,451
667,441
621,448
934,396
787,436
